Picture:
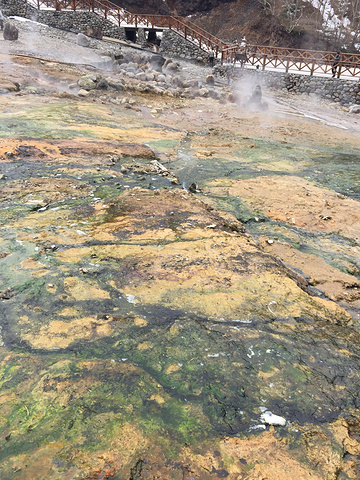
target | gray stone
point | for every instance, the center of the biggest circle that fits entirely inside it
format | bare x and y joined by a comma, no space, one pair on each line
116,84
172,67
10,32
83,40
94,31
203,92
136,58
177,81
156,62
141,76
159,91
188,92
83,93
354,109
87,82
190,83
102,84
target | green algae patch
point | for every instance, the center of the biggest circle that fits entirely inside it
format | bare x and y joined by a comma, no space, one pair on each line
144,332
68,403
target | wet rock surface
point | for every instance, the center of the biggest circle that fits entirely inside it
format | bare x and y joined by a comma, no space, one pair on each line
178,285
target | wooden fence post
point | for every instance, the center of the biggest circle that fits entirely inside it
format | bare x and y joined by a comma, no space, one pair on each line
312,68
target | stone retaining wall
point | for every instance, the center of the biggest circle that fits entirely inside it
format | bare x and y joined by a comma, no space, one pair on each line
345,92
66,20
175,46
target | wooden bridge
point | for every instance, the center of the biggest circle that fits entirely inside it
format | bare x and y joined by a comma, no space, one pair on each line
289,60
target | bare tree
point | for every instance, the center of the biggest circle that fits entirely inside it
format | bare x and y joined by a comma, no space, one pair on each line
294,10
339,20
269,5
354,15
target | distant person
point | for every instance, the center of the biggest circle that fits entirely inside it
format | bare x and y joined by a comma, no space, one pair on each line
258,75
335,63
256,95
1,20
211,58
255,101
244,42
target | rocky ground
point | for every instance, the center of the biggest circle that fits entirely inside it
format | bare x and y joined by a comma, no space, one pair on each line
179,271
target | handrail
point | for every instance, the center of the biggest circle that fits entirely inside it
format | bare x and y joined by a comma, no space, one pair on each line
310,61
119,15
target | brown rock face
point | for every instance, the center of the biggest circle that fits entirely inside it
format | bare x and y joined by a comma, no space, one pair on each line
231,20
178,7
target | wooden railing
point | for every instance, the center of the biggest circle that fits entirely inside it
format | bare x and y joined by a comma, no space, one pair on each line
121,17
306,61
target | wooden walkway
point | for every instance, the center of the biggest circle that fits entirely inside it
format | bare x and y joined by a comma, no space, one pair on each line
310,62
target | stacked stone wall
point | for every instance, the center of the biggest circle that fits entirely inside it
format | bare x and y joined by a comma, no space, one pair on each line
71,21
175,46
345,92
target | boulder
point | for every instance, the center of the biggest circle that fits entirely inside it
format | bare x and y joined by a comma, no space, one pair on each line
128,57
213,94
177,81
10,32
83,93
116,84
83,40
157,62
189,92
8,86
102,84
141,76
190,83
136,58
171,65
203,92
94,31
354,109
87,82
